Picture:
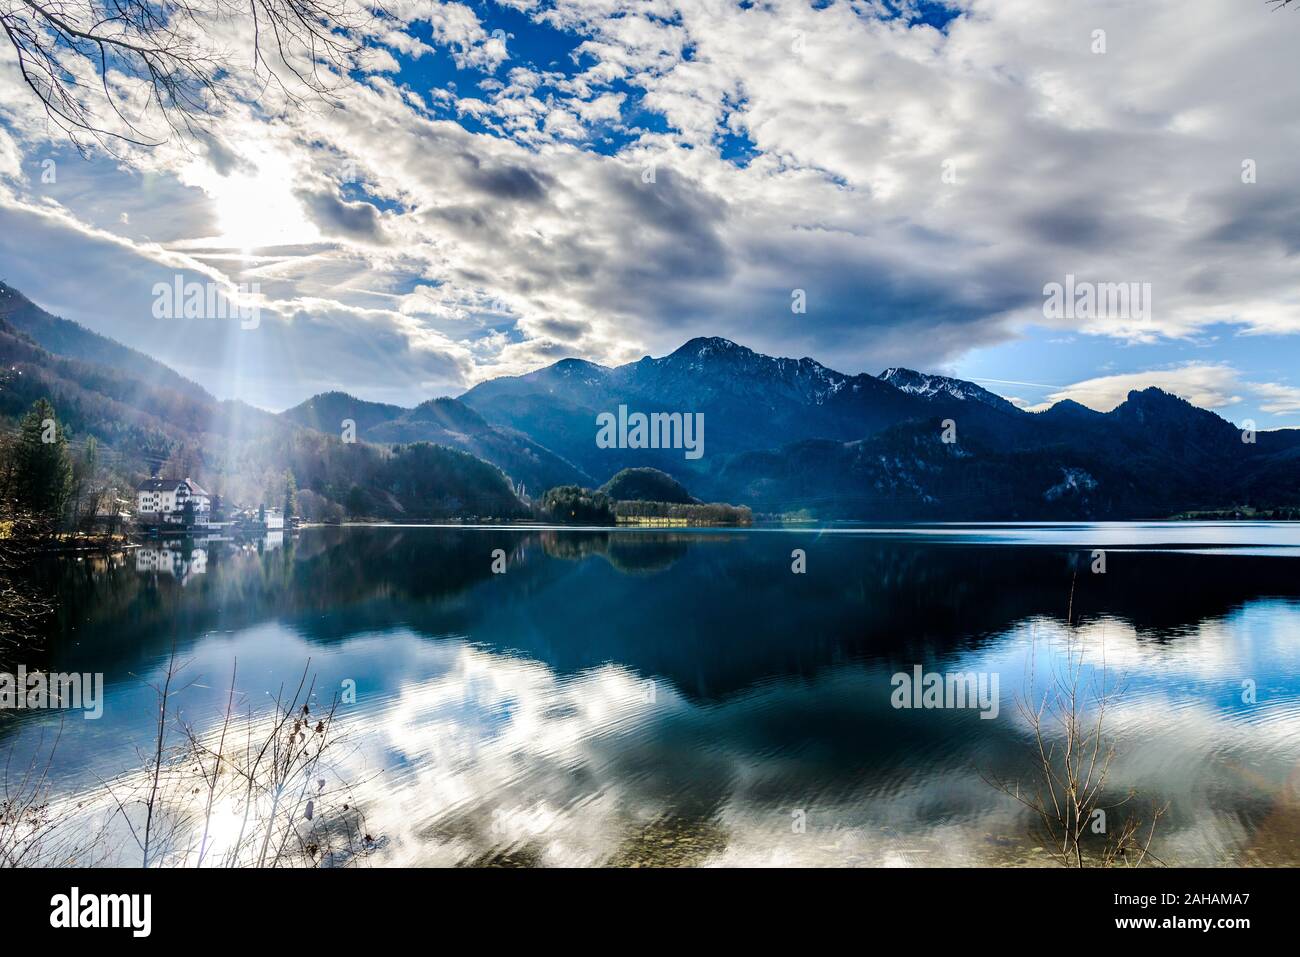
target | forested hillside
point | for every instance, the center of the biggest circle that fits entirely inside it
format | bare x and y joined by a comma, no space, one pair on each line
140,418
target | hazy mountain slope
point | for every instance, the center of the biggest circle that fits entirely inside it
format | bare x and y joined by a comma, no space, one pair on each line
328,411
114,405
570,432
442,421
69,339
234,449
448,421
557,406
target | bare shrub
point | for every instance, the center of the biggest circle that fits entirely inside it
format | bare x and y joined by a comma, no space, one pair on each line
264,789
1071,753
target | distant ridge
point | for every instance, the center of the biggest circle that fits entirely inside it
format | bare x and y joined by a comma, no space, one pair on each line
781,435
443,421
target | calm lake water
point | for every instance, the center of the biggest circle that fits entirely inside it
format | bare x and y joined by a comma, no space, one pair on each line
683,697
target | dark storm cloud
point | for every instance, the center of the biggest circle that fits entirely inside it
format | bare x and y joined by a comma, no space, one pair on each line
335,217
1256,216
671,229
565,330
549,350
670,204
1076,223
463,217
503,181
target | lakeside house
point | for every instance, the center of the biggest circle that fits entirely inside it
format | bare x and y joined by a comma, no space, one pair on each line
260,519
164,501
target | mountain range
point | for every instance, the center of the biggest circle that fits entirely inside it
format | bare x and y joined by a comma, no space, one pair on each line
791,435
781,435
147,419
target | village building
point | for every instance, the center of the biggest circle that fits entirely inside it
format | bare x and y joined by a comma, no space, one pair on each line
163,501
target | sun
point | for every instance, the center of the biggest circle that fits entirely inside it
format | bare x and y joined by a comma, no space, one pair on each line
256,206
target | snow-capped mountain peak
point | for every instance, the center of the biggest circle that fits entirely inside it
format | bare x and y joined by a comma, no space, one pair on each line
930,386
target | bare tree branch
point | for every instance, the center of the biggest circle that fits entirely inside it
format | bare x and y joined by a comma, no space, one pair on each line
141,71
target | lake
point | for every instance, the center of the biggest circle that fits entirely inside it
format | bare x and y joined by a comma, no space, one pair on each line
651,696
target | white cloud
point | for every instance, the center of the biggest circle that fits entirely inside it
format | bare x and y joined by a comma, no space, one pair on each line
1119,167
1209,385
1277,398
457,25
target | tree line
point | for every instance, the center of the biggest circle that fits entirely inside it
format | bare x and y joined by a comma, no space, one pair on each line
575,505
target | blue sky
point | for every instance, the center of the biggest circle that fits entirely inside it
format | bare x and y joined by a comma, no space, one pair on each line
503,184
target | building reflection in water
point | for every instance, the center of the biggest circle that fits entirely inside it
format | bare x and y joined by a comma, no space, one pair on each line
178,559
184,558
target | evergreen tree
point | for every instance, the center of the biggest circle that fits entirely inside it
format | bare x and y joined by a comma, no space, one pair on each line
44,468
85,495
290,496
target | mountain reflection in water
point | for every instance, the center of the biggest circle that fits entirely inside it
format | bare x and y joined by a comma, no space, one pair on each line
652,697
